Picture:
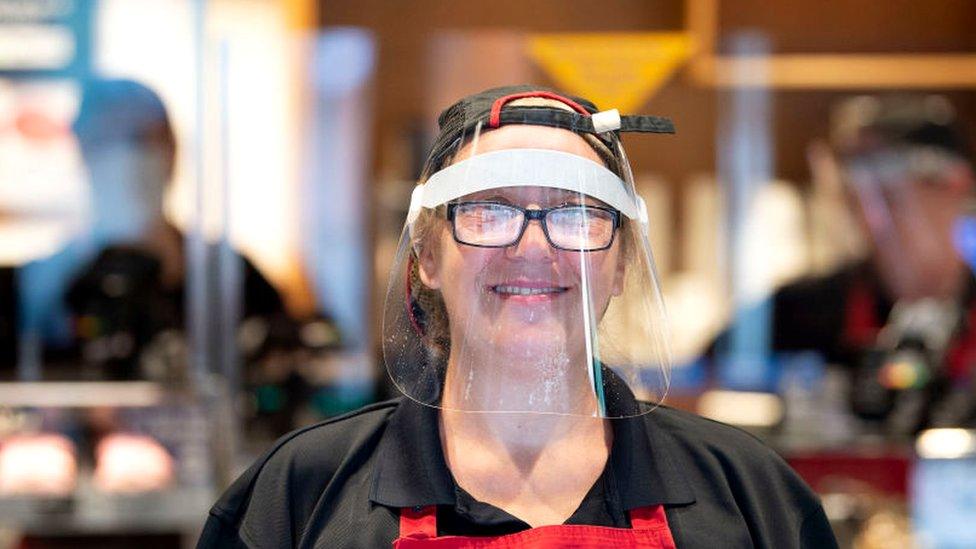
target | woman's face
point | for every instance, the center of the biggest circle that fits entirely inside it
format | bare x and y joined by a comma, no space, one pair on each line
529,299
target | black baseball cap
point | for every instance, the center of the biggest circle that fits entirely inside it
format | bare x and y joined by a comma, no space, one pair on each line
866,123
491,109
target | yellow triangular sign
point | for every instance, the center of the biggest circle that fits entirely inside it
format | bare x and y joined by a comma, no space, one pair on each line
614,70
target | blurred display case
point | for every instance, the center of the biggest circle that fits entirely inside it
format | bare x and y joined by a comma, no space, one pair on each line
172,298
105,457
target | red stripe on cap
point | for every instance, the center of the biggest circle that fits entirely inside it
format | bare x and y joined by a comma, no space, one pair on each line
495,119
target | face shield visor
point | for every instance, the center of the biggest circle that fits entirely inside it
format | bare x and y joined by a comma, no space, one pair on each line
904,161
909,206
524,281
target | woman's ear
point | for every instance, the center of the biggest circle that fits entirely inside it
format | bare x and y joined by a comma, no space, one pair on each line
427,266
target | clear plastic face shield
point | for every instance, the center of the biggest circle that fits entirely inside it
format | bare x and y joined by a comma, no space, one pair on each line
909,200
524,282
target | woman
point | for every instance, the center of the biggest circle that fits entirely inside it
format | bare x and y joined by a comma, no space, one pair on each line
523,315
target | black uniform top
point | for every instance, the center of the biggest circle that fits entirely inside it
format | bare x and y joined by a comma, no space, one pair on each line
340,483
812,313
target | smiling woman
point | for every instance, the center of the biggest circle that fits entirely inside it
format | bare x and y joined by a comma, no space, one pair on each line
526,249
525,328
526,264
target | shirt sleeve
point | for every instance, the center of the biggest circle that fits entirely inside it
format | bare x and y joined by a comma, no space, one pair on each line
218,534
815,531
254,511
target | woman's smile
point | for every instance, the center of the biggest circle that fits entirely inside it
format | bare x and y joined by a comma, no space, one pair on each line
527,291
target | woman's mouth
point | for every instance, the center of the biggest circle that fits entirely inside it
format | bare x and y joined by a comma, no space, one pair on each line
527,291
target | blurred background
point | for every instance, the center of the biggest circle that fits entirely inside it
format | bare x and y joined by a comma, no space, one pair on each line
199,201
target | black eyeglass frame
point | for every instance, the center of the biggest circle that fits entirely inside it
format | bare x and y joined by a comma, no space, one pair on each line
529,215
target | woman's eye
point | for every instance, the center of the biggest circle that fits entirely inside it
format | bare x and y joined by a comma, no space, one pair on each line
485,216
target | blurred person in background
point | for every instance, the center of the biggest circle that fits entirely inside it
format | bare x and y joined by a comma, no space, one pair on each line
95,308
904,319
110,304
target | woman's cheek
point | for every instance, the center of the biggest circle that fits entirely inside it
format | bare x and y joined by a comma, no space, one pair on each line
600,267
463,268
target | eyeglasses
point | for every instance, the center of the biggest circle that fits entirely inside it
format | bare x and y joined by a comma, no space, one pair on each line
574,227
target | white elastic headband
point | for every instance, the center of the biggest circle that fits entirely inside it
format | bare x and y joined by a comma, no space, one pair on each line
526,168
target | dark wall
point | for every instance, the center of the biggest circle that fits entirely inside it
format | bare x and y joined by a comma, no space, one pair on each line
403,30
857,26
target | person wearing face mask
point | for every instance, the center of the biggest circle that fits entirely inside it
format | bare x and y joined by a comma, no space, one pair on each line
902,319
525,331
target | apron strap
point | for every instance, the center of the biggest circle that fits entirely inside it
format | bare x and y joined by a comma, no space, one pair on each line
649,517
418,522
421,522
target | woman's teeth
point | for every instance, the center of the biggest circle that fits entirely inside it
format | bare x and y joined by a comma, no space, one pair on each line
520,290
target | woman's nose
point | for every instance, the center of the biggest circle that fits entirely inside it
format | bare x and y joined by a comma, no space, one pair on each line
533,244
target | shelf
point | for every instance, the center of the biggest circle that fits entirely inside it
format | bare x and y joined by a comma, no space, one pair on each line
89,511
82,394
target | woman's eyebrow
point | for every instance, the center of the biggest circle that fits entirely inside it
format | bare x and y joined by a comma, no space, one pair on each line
572,199
493,198
579,200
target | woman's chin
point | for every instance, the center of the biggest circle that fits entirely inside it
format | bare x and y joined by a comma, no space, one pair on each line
513,336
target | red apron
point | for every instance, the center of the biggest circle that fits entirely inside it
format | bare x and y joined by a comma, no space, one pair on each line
418,530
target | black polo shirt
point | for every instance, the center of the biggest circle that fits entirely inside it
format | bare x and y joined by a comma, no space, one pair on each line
341,483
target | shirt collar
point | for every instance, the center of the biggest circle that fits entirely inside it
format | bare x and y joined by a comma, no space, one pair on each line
410,466
644,470
411,470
